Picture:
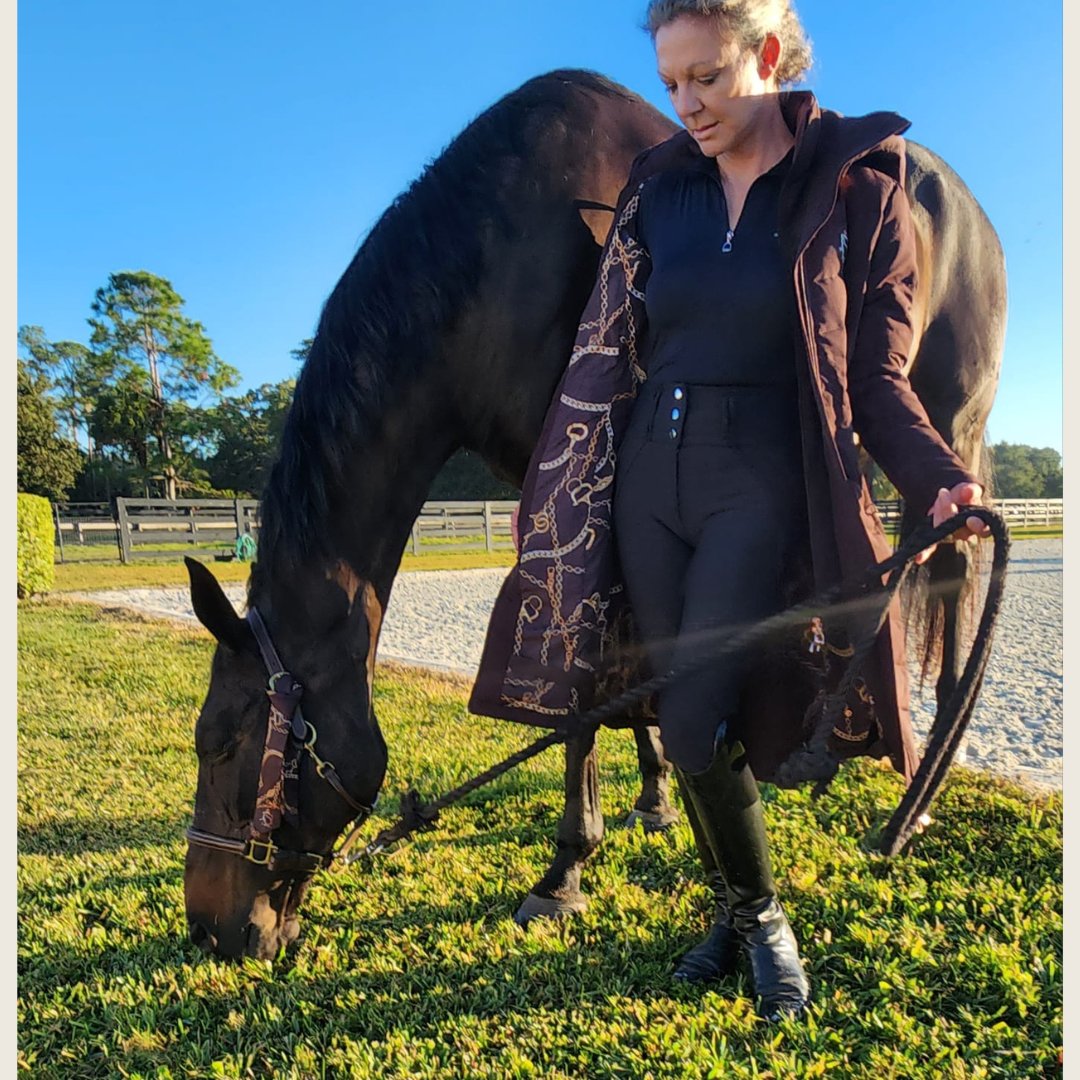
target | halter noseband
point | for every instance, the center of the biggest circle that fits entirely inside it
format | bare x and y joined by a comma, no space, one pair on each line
278,772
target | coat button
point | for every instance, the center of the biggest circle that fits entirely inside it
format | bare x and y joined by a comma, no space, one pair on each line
678,393
675,414
673,434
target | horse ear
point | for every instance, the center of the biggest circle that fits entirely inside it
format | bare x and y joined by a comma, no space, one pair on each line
212,607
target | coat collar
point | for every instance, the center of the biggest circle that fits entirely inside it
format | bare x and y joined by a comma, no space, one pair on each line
826,144
829,141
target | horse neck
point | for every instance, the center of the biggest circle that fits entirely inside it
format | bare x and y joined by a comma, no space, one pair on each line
368,514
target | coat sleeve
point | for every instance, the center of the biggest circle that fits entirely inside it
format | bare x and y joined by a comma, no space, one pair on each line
886,412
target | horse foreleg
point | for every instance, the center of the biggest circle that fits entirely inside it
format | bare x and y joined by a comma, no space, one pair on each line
558,893
653,807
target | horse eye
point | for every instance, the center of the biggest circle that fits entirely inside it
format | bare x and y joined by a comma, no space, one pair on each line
216,756
222,755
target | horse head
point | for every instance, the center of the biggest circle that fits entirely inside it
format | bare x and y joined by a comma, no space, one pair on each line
241,892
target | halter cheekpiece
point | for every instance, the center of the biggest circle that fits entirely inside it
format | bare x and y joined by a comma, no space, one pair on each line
288,736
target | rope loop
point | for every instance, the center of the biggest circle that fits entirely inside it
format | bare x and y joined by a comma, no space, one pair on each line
814,761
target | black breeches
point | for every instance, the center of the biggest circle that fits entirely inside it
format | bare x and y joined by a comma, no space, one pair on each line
709,506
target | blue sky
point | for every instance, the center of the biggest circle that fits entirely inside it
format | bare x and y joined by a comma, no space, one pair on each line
243,150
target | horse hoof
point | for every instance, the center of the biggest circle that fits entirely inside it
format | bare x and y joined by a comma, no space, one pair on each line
653,820
554,907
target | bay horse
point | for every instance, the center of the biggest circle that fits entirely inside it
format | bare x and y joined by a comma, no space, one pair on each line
450,328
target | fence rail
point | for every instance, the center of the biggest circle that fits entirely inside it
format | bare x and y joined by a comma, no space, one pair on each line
137,526
146,522
1015,511
1031,511
465,526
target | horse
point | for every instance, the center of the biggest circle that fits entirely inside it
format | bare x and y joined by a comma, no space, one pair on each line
450,328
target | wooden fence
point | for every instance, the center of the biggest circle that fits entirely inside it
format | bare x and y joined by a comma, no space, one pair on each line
1031,511
464,526
1015,511
147,522
138,525
83,523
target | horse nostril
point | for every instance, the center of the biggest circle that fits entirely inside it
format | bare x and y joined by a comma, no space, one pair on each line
201,937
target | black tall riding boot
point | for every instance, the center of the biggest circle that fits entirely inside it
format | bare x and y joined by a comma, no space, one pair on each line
715,955
729,811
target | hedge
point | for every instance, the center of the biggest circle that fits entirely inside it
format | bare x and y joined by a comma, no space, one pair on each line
36,545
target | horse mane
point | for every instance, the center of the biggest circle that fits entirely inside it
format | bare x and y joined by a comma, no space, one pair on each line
408,281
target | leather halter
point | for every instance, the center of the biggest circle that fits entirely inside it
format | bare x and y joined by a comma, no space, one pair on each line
284,722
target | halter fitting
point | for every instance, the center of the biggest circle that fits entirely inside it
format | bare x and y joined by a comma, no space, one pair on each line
277,772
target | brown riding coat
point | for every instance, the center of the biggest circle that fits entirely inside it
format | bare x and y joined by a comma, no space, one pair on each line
561,637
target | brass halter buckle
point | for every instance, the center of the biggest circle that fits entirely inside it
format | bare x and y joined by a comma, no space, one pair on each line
251,851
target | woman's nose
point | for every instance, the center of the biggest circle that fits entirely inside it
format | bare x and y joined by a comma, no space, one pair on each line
686,103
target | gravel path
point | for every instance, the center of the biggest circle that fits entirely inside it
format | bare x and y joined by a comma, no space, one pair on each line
438,618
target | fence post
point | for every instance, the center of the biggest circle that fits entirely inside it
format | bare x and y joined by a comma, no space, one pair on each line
59,531
489,539
123,534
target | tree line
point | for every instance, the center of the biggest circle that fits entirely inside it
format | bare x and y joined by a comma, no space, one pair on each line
141,408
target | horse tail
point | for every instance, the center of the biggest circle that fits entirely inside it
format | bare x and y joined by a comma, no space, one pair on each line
949,576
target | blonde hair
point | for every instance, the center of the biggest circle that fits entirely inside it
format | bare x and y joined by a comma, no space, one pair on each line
750,21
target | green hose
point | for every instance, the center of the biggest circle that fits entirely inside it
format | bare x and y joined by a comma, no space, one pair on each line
245,547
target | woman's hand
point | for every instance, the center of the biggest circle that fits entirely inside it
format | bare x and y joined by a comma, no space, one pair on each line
947,505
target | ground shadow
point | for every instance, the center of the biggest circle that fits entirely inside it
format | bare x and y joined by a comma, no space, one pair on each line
79,835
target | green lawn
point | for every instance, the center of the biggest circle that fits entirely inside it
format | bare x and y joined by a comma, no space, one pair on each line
86,577
1017,532
943,963
1037,532
167,568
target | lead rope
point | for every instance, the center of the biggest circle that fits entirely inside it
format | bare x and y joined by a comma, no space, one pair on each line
814,761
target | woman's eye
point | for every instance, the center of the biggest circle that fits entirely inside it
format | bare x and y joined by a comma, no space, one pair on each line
707,80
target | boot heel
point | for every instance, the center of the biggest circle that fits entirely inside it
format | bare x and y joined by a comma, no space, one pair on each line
769,943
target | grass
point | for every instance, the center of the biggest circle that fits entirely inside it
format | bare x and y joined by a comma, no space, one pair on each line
86,577
109,552
1016,532
943,963
1037,532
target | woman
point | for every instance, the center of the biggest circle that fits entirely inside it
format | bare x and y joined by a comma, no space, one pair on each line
752,314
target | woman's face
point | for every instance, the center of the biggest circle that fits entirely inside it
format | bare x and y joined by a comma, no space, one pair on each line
718,90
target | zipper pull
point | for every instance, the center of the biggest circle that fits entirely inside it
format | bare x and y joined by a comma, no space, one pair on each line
727,243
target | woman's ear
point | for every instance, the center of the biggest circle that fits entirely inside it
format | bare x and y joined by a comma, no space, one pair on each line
769,57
